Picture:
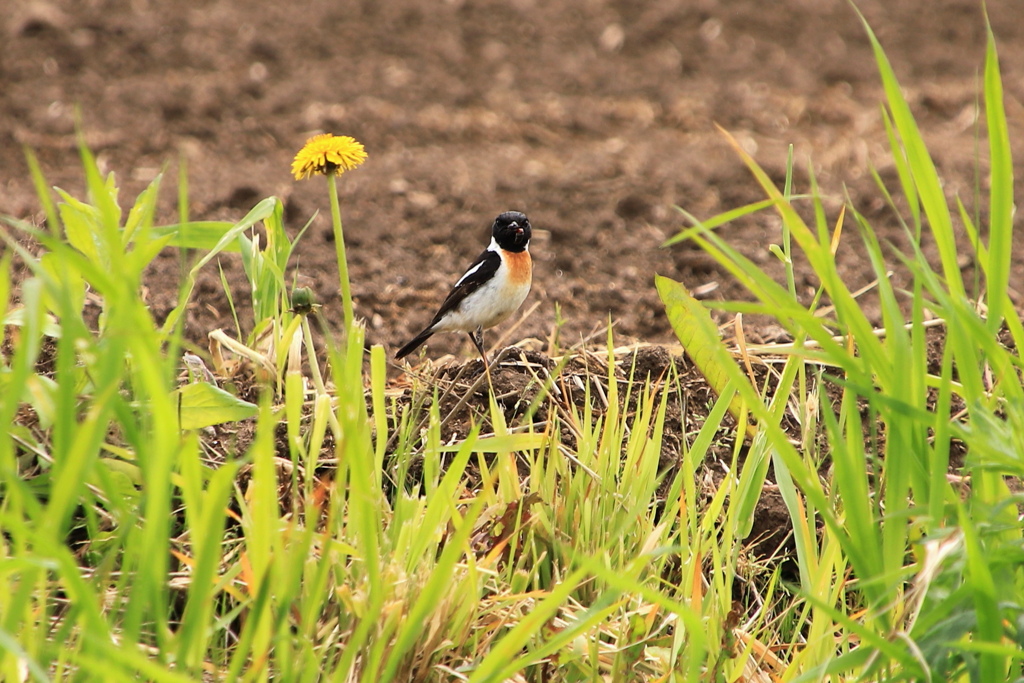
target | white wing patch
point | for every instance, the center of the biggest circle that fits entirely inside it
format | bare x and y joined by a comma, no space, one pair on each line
493,246
489,305
469,272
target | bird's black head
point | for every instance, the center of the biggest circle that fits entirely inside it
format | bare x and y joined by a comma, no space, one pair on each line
512,231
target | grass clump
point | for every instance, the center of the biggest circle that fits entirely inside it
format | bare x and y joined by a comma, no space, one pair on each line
910,549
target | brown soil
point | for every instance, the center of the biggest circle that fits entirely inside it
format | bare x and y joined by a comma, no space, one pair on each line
595,118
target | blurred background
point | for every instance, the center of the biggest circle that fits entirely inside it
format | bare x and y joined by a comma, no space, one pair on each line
595,117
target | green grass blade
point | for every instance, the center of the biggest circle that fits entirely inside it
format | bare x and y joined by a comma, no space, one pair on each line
926,177
43,192
502,660
720,219
983,589
1001,200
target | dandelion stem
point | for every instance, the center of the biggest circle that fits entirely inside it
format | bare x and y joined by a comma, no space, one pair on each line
314,363
339,247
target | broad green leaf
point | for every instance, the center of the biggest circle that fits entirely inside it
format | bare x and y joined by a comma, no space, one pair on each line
39,393
202,405
143,254
81,225
197,234
102,194
141,214
698,334
51,328
118,479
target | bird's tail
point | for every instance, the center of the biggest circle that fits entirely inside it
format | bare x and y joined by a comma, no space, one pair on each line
414,343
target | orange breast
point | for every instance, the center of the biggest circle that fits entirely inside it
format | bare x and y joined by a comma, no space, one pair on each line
520,267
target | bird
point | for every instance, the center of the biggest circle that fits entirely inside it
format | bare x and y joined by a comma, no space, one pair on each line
491,290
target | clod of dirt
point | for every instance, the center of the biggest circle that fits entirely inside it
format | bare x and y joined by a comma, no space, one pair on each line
647,362
35,18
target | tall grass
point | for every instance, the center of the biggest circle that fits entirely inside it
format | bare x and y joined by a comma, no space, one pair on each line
916,549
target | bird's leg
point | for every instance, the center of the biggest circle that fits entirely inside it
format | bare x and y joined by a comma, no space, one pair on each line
478,341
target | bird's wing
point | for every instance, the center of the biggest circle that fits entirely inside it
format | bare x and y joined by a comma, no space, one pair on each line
482,270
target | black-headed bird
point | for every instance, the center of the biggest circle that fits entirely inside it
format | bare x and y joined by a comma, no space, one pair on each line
492,289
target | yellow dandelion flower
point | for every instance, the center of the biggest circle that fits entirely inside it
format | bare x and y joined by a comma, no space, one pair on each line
327,154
